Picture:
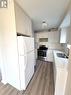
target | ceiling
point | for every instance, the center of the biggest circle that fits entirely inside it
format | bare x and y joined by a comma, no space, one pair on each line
50,11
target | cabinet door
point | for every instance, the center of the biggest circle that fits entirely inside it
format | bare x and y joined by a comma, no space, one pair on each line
50,55
63,36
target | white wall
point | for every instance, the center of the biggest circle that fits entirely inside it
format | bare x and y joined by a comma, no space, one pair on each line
23,21
9,45
0,55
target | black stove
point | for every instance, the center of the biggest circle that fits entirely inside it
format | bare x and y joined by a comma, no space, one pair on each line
42,51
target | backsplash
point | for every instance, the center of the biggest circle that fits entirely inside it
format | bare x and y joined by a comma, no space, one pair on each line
64,45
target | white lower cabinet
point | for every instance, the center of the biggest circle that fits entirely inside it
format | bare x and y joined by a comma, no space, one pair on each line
60,75
49,55
60,78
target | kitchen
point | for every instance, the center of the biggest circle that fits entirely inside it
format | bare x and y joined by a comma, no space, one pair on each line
21,40
59,43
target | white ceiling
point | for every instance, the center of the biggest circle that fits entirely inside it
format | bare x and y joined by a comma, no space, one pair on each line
51,11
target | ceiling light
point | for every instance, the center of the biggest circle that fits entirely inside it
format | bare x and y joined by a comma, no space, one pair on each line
44,24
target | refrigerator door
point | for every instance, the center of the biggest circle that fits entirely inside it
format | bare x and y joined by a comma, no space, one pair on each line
21,45
25,44
26,69
29,71
29,42
22,67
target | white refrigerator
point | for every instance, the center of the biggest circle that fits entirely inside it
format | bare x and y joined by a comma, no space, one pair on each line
26,59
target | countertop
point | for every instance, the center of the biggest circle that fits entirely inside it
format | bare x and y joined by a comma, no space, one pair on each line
61,63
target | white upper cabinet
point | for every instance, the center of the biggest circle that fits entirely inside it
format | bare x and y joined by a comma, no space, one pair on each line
23,21
63,35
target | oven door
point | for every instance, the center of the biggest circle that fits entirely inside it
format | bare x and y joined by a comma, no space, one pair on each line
42,53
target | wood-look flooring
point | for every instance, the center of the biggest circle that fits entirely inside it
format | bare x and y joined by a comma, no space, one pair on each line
41,83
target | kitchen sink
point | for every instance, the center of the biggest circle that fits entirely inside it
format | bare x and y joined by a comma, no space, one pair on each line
61,55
